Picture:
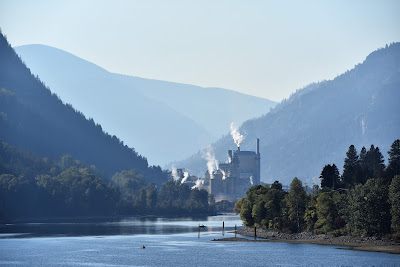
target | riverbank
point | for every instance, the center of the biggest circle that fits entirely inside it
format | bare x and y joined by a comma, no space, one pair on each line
356,243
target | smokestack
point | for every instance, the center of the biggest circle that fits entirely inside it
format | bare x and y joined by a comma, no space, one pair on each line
257,178
238,148
258,147
229,156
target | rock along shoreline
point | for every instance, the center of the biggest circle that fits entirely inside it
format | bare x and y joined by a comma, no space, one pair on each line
356,243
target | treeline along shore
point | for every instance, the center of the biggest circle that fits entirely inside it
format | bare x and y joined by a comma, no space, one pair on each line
360,206
32,187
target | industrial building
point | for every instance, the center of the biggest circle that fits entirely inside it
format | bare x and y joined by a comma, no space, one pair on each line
232,179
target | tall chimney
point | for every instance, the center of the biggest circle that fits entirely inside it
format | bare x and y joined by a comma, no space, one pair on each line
258,165
258,147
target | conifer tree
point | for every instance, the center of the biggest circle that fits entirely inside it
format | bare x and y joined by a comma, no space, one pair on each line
297,204
363,153
330,177
394,199
374,163
393,167
350,167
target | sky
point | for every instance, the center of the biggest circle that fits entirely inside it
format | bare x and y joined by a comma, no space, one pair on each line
262,48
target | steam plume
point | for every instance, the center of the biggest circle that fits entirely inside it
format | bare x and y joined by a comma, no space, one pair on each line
199,182
251,180
223,174
237,137
212,163
185,176
174,173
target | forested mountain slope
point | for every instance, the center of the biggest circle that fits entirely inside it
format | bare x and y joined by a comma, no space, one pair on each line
34,119
163,120
315,125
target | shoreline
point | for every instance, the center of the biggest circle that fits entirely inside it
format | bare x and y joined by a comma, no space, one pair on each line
354,243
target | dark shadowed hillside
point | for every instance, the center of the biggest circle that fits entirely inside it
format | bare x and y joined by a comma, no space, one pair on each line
34,119
315,125
165,121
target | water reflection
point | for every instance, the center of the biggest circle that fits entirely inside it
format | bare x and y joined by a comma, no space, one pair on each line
120,226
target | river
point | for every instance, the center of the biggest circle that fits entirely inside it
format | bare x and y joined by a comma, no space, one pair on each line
167,241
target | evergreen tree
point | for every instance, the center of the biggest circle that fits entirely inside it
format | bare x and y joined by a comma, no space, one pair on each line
350,167
374,163
361,170
327,212
394,198
393,167
246,212
238,206
151,196
297,204
363,154
315,190
310,216
378,164
259,213
327,208
330,177
276,185
273,206
368,209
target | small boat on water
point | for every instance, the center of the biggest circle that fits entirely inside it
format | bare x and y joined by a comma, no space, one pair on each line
202,226
143,246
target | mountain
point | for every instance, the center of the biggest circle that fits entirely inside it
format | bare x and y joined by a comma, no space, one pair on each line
317,124
163,120
34,119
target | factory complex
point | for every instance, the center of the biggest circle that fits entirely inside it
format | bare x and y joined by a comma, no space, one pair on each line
230,180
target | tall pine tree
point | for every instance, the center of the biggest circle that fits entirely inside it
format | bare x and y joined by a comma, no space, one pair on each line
350,167
393,167
296,202
374,163
330,177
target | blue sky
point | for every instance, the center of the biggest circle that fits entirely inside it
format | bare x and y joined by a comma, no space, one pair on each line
263,48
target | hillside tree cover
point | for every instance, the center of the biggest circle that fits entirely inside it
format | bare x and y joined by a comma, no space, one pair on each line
40,187
34,119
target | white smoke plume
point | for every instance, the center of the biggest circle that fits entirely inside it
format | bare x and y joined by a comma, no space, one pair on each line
174,173
223,174
212,163
251,180
185,177
237,137
199,182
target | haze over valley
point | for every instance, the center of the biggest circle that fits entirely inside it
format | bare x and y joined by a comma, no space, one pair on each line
318,122
199,133
164,121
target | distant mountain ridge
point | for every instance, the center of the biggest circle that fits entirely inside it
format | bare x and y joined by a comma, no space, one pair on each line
165,121
34,119
317,124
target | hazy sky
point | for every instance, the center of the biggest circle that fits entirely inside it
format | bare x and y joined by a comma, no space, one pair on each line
262,48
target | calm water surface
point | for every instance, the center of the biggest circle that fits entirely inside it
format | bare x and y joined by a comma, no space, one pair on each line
169,242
